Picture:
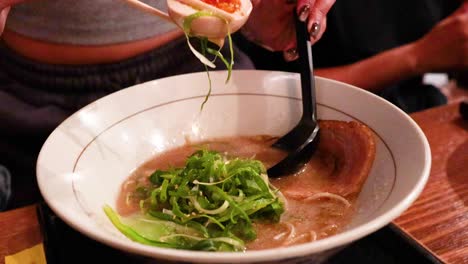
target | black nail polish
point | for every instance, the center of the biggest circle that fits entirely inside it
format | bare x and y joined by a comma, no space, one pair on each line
290,54
315,29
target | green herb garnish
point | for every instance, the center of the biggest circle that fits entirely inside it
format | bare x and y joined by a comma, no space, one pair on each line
206,49
210,204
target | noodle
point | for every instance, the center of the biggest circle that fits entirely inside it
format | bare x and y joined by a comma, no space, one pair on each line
330,228
313,234
291,230
312,237
328,195
127,183
127,199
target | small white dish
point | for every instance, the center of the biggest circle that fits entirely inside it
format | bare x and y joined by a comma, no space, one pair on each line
84,161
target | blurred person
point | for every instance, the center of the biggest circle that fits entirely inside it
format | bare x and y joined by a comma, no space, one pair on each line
57,56
384,47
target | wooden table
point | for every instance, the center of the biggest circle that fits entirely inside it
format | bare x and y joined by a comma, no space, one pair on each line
438,220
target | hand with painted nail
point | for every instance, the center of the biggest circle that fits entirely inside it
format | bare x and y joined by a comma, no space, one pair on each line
314,13
3,17
5,6
271,23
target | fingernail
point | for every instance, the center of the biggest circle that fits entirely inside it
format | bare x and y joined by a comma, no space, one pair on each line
290,54
304,13
315,29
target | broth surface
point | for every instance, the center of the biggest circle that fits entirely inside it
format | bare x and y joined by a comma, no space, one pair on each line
307,217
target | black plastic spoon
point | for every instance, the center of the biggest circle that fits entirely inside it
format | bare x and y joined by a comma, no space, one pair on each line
302,141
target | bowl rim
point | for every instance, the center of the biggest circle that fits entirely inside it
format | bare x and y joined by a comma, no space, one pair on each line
276,254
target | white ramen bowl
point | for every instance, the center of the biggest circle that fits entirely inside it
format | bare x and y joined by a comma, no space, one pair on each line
84,161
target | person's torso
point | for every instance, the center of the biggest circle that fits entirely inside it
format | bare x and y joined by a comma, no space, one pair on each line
85,31
86,22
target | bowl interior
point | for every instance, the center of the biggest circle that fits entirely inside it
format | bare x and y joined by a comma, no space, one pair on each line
85,160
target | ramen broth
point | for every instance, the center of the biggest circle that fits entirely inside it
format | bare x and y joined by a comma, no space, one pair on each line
305,219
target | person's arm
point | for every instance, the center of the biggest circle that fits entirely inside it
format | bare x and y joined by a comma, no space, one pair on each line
445,47
376,72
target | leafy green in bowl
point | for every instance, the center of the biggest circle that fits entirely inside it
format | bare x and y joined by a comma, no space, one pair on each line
209,204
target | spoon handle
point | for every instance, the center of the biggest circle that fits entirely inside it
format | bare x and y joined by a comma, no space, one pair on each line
306,71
